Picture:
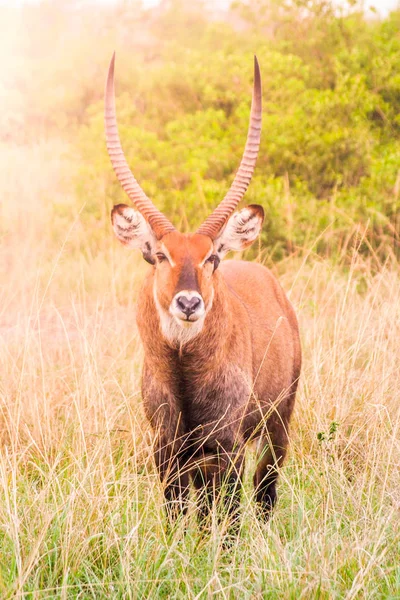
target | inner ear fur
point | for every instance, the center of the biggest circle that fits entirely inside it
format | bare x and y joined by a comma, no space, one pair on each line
133,231
242,228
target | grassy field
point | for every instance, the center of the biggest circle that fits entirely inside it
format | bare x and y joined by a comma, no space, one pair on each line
80,505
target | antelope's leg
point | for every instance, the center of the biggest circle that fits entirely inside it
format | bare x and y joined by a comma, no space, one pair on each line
266,475
272,450
162,410
174,476
217,477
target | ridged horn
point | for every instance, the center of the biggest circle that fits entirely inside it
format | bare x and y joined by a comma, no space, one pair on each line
213,224
158,222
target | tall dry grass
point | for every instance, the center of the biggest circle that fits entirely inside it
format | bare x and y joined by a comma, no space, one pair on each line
80,504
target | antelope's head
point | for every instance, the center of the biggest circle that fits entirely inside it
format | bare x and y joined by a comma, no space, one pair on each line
184,264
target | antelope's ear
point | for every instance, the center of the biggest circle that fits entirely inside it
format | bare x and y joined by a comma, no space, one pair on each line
241,230
133,231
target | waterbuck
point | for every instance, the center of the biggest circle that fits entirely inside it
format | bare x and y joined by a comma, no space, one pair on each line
222,353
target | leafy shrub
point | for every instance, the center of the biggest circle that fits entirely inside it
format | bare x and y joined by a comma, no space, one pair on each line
329,160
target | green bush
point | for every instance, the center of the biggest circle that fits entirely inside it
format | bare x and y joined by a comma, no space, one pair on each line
330,155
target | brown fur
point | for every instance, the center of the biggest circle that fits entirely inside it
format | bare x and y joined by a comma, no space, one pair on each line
236,380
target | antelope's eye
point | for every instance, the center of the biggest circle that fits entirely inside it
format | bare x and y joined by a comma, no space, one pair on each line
161,257
213,259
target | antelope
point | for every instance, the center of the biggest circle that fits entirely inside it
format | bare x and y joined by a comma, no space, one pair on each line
222,353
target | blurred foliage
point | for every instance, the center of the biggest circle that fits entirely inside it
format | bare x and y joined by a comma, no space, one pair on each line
329,163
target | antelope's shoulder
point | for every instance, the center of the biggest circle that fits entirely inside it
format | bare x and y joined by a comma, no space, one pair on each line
232,268
249,279
258,289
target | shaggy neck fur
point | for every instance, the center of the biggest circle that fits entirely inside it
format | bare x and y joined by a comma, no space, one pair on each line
204,342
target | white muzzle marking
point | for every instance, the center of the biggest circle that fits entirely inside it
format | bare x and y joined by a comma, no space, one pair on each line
179,315
176,330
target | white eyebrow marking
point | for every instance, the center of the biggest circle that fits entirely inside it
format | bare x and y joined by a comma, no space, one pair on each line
207,257
167,254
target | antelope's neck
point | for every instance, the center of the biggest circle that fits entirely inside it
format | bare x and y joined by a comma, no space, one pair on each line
213,338
202,348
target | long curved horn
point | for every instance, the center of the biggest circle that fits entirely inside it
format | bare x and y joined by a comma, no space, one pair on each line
159,223
213,224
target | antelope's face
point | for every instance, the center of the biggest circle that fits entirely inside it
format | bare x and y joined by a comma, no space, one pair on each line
185,265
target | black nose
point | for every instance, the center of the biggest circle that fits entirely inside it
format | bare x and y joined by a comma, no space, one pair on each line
188,305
